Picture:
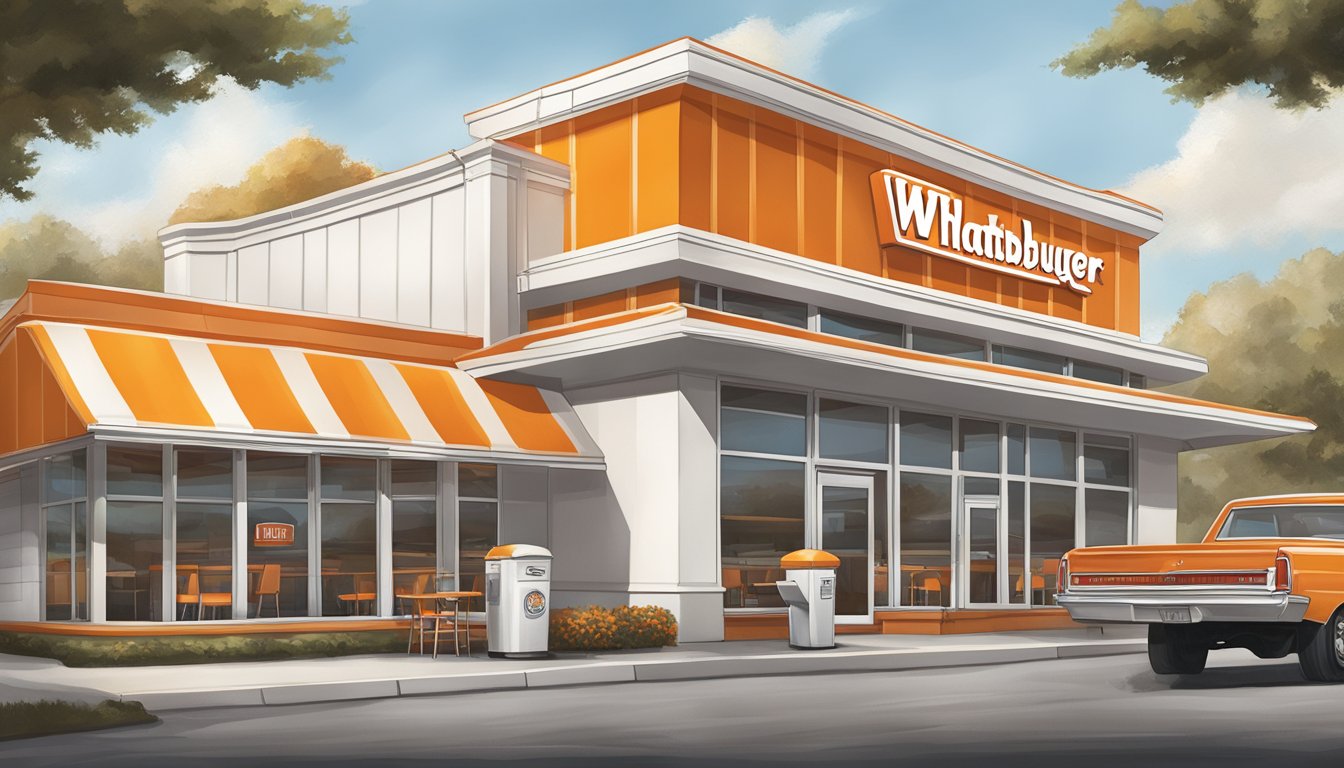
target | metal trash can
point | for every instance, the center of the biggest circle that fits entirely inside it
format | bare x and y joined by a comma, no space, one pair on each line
517,601
809,590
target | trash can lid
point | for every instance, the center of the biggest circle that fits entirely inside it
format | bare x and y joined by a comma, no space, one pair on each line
809,558
515,551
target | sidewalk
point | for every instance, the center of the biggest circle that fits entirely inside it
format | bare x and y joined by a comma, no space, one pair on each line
368,677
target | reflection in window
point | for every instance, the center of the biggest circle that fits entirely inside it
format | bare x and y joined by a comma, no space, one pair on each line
65,518
1017,449
979,445
1095,372
1017,542
1107,518
414,527
1053,454
765,308
477,525
946,344
135,471
349,536
1053,511
134,559
853,432
1031,360
277,530
763,421
862,328
926,539
1106,460
761,506
926,440
204,579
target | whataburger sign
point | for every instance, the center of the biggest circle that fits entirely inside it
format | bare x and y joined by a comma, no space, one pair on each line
916,214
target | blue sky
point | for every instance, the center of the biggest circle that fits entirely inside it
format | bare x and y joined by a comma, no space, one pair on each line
1243,186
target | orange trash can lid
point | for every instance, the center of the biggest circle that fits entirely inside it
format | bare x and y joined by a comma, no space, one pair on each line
809,558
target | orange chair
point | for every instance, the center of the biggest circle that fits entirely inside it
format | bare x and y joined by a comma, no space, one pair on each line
189,592
418,586
366,586
269,586
214,601
927,583
1038,586
732,580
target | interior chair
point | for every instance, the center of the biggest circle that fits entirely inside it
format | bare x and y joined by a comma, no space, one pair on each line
189,595
366,590
926,584
215,600
268,585
417,587
732,584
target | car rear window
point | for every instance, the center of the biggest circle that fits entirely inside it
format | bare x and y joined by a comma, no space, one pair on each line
1305,521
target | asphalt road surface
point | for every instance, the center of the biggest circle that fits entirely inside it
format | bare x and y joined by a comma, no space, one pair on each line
1085,713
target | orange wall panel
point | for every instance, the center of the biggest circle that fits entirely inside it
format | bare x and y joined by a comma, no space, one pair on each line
602,175
596,306
9,396
662,292
775,180
657,160
732,175
858,241
29,379
820,194
696,167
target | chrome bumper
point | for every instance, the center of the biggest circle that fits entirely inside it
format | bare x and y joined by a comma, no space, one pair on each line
1149,608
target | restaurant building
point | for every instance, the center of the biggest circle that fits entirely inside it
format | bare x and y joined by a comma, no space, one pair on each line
670,318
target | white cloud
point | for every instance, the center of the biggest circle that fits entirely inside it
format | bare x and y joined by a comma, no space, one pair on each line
795,50
1247,173
144,177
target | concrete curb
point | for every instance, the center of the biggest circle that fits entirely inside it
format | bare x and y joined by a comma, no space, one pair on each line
608,672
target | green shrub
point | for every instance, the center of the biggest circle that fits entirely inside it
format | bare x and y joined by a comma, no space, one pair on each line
79,651
26,719
607,629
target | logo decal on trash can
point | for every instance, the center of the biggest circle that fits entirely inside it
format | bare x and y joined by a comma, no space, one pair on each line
534,604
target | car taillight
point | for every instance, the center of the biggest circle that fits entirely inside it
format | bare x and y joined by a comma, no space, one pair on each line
1197,579
1283,574
1062,577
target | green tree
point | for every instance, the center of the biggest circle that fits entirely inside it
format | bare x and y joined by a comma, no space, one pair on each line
1276,345
1295,48
45,248
71,70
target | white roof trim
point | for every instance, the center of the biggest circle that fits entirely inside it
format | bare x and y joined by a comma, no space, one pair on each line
695,63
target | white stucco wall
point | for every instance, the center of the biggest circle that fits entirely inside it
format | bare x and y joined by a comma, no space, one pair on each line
20,548
1156,482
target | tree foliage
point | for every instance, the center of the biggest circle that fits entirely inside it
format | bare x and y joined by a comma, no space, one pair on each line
45,248
300,169
1295,48
1276,345
71,70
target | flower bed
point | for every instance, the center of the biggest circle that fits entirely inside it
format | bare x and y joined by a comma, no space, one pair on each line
595,628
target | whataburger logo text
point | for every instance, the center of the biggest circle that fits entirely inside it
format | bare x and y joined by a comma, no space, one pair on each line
930,218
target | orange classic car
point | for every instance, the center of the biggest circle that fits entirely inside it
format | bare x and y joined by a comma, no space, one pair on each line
1268,577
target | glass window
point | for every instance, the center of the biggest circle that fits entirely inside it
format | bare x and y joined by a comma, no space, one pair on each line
478,532
477,481
1107,517
349,536
1317,521
135,471
204,474
946,344
765,308
414,527
980,486
277,475
65,477
1106,460
1017,542
926,440
277,526
1017,449
1053,509
979,446
204,560
707,295
881,561
1053,454
763,421
862,328
926,539
853,432
1101,373
134,557
1030,359
1138,381
60,563
761,506
349,478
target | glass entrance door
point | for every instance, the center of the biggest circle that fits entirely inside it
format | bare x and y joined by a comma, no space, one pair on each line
845,518
981,553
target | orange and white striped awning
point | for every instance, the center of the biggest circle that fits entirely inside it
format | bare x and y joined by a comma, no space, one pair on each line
133,379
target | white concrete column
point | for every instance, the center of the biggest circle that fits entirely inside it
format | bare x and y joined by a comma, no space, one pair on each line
1155,483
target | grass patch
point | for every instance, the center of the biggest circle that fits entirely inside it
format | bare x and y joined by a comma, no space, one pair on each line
76,651
24,720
